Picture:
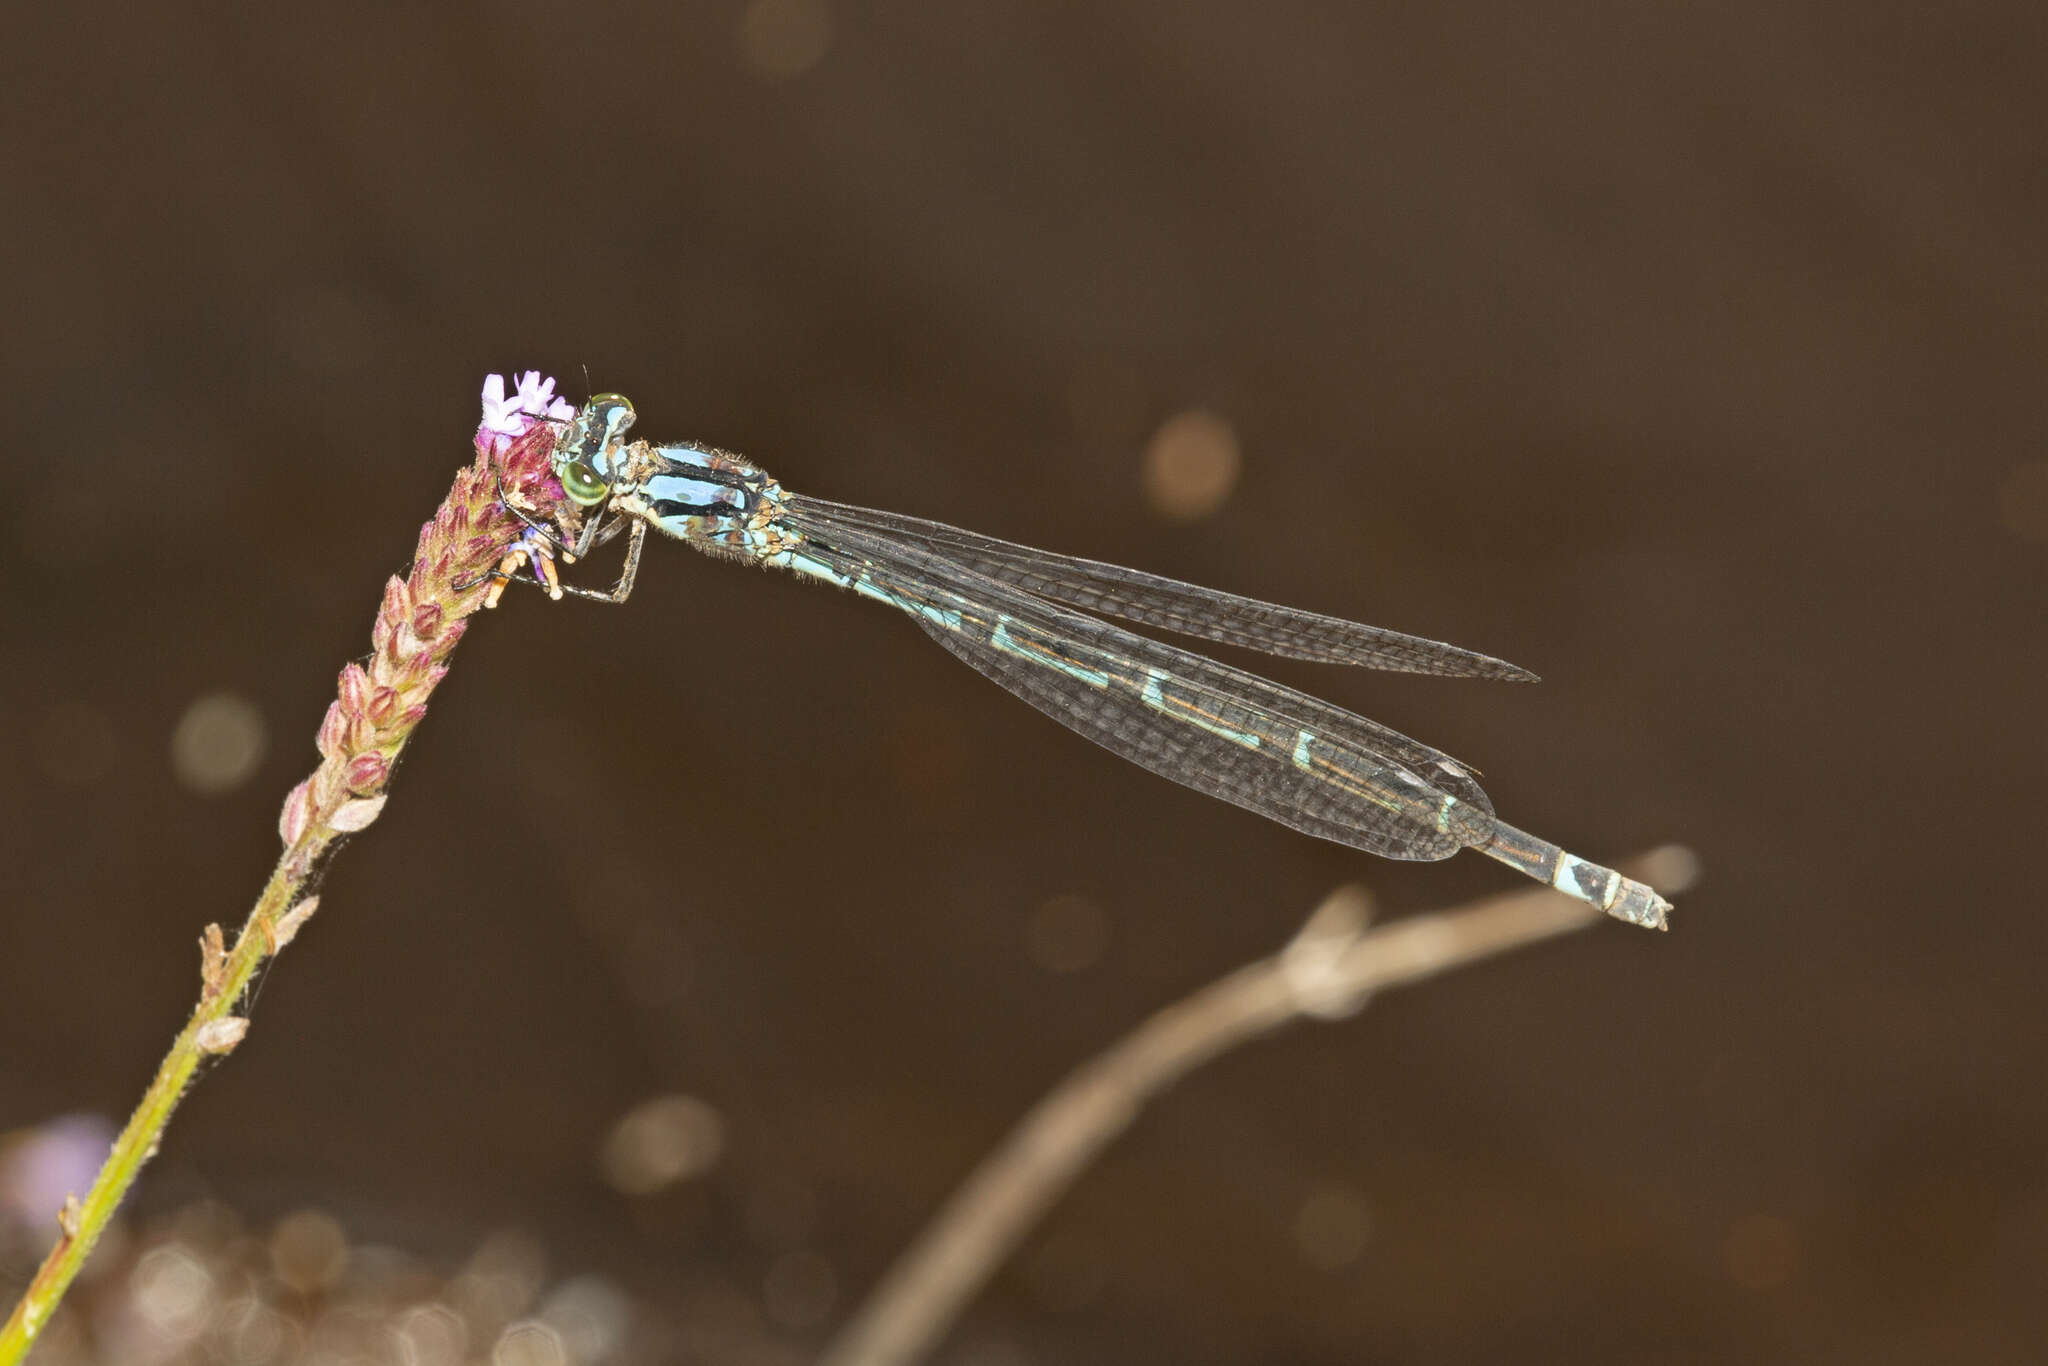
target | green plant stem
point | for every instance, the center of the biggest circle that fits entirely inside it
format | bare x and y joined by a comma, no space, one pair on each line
378,703
83,1222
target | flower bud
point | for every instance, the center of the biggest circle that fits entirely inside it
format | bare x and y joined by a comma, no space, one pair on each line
367,772
383,705
297,814
354,689
332,738
397,599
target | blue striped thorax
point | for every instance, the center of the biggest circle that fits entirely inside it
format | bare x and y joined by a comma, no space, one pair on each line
719,502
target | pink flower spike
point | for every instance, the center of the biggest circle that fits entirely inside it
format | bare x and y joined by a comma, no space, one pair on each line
377,703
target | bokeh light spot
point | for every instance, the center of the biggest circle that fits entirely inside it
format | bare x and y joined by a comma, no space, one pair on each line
248,1331
592,1315
780,39
660,1142
529,1344
308,1250
40,1166
500,1281
173,1291
1191,466
217,743
430,1335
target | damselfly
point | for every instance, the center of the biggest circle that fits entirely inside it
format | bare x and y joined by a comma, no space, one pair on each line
1028,619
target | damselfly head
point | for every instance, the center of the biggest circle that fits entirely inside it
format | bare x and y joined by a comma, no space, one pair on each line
586,453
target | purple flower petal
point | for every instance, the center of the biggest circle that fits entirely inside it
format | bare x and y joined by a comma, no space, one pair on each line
506,419
536,392
500,414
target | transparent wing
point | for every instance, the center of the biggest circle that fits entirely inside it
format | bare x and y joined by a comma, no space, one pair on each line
1172,605
1290,757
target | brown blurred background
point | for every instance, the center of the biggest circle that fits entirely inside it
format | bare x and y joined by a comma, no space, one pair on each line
1689,356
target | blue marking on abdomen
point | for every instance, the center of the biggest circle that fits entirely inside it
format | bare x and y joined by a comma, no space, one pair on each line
1156,699
818,569
1009,644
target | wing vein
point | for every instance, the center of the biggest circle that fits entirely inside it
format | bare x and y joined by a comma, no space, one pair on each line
1184,608
1207,725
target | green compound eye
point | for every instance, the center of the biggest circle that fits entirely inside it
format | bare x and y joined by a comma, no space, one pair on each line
583,484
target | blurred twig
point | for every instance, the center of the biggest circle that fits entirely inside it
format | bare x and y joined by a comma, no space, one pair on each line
377,707
1326,972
